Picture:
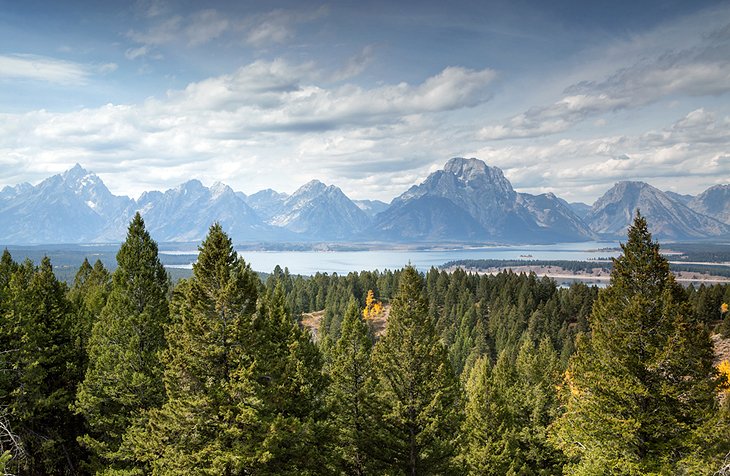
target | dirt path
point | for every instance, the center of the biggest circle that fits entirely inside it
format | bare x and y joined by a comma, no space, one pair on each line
312,321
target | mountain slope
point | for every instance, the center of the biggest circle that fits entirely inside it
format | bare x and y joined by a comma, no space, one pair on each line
321,212
371,207
713,202
426,218
186,212
489,199
266,203
611,215
71,207
556,218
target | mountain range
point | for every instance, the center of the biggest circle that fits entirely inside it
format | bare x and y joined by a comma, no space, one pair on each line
466,201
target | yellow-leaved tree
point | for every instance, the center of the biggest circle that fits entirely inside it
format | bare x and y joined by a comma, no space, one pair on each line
372,307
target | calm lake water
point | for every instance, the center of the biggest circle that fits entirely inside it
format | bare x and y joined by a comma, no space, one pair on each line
343,262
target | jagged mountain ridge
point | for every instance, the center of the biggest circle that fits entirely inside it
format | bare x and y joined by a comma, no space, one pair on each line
186,212
267,203
466,201
713,202
488,198
668,218
322,212
71,207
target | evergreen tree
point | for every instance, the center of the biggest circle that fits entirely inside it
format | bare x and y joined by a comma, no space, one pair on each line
419,395
88,295
211,421
41,373
351,391
124,375
642,386
292,391
487,438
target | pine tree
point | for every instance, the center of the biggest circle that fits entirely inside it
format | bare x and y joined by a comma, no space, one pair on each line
210,423
292,391
351,391
641,387
124,375
486,438
88,295
41,371
419,395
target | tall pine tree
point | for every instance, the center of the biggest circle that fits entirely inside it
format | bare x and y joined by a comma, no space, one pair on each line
641,387
292,391
351,391
40,368
420,402
124,374
210,423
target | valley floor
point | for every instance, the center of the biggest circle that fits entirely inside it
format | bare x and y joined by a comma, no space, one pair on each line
595,275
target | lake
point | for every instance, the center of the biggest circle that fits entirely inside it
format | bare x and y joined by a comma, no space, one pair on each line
343,262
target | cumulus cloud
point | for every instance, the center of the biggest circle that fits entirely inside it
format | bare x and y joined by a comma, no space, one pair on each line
693,148
277,95
268,115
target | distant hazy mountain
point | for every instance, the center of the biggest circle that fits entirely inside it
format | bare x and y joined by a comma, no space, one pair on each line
667,217
267,203
556,218
485,195
713,202
321,212
71,207
679,197
185,213
579,208
371,207
466,201
426,218
12,191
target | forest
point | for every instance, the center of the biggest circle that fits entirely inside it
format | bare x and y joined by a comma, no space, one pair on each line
128,373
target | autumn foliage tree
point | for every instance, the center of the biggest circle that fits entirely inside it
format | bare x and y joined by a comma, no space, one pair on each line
373,308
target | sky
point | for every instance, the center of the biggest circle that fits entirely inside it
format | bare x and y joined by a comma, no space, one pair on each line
566,97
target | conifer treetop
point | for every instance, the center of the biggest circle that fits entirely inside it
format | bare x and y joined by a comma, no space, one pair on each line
641,267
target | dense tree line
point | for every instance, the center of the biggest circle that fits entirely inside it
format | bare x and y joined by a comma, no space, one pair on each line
126,373
602,264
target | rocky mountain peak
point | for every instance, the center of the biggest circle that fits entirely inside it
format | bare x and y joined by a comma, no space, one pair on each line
714,202
313,187
466,168
669,218
74,173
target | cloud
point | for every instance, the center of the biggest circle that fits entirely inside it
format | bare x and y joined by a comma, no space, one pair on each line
277,26
149,8
107,68
355,65
277,96
684,156
161,33
703,70
203,26
43,68
134,53
267,115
